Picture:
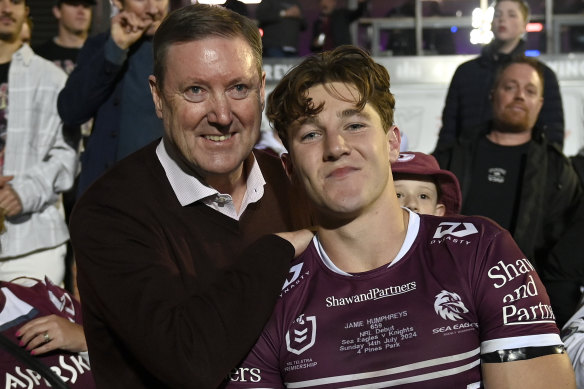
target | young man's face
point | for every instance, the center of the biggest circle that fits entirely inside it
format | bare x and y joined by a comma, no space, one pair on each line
75,18
508,21
13,14
342,156
149,10
517,99
211,103
420,196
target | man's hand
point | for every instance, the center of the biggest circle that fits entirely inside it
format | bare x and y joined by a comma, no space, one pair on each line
127,28
48,333
10,203
299,239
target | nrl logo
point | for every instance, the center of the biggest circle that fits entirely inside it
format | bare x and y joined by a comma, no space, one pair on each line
449,305
303,332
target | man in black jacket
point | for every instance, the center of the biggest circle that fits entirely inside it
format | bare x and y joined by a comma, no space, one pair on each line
514,176
467,102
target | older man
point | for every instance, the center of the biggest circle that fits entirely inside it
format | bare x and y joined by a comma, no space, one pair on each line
170,296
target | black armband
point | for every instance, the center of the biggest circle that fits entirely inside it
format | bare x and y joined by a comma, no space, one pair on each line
523,353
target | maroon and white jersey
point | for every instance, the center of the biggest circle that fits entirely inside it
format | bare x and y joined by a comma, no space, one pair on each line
459,287
22,304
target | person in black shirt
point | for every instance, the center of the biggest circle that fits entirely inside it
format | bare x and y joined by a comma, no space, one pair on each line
513,175
74,17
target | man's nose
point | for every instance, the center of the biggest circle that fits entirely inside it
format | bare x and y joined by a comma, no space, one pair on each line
220,110
335,146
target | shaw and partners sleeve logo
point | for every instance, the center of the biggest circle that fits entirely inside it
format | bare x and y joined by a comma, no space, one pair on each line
521,303
449,305
301,335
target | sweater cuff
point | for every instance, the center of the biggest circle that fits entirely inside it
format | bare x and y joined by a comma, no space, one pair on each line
113,53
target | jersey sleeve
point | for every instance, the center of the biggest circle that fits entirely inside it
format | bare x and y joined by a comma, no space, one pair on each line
513,307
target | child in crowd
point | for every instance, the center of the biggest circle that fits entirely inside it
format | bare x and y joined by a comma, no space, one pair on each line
425,188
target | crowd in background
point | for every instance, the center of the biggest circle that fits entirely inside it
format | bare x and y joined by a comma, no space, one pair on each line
76,105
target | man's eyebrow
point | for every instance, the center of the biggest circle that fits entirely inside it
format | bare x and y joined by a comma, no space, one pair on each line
353,112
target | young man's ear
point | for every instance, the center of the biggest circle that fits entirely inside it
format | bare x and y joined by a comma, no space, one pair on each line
288,165
440,210
394,142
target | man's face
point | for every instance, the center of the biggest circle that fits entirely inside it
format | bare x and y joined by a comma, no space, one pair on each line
508,21
327,6
342,156
517,99
13,14
75,18
419,195
149,10
211,104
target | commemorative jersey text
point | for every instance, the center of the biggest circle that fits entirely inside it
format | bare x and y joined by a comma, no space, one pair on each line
421,320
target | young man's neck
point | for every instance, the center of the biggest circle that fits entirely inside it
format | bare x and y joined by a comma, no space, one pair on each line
70,40
368,241
7,49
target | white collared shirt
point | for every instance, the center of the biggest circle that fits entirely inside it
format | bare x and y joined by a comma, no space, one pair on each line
189,189
36,154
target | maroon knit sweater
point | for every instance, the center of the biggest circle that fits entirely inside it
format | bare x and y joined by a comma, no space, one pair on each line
170,297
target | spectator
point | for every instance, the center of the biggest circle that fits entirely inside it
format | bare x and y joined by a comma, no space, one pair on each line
331,29
36,164
468,105
514,176
109,84
157,239
74,22
281,22
573,337
385,297
46,321
423,187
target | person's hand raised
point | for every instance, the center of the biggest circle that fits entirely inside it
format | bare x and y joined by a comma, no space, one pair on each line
127,28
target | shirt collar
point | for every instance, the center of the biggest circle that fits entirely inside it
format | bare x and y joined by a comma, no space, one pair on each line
189,189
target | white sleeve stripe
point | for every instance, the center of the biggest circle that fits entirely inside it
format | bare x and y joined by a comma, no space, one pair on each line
489,346
409,368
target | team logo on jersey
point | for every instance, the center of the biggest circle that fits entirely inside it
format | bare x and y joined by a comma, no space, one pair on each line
295,270
452,228
301,335
449,305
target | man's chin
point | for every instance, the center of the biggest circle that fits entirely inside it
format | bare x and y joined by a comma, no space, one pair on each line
512,127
